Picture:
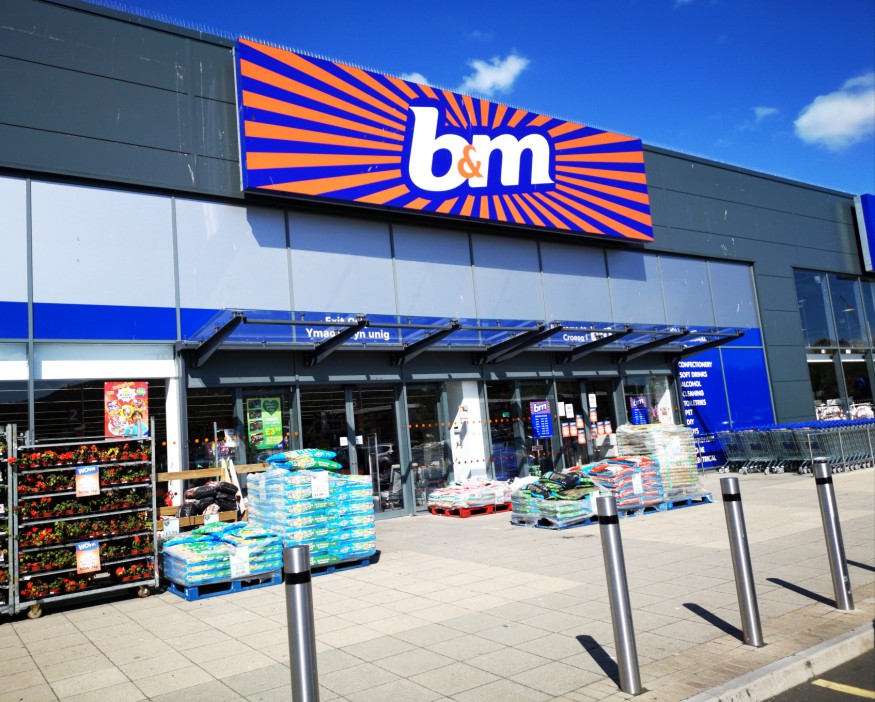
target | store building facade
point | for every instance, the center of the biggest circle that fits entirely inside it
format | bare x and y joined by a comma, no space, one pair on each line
160,228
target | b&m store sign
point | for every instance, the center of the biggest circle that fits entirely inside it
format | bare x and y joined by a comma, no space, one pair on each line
311,127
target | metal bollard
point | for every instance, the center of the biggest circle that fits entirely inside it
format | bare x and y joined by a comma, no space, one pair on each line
302,630
832,530
741,565
618,591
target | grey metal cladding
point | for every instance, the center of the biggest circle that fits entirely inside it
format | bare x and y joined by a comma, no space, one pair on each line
216,130
777,292
781,327
787,363
55,35
213,69
793,400
92,106
79,156
697,178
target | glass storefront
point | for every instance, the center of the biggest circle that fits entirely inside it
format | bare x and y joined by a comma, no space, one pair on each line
572,431
538,439
429,448
648,399
503,417
323,422
376,442
602,417
838,323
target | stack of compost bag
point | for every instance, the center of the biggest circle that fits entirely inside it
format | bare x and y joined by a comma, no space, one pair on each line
559,499
673,447
633,480
220,552
213,497
304,501
470,493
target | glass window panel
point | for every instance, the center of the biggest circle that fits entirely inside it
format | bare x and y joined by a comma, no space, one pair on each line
827,401
636,293
687,292
502,419
812,295
847,308
858,388
13,405
429,449
323,421
573,432
74,409
869,306
732,288
648,400
575,283
538,452
378,455
206,407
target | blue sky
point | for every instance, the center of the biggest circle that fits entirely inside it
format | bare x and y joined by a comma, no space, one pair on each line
785,87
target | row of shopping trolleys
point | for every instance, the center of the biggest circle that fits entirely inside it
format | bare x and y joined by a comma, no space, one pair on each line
845,445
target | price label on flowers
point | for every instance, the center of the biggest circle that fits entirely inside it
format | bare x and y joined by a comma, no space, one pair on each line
87,557
87,481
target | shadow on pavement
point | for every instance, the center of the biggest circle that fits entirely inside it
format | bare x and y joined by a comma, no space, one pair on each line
601,657
863,566
713,619
802,591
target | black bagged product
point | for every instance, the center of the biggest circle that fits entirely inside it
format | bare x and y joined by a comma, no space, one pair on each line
186,509
201,504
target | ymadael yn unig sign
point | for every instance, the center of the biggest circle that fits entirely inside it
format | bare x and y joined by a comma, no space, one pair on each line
312,127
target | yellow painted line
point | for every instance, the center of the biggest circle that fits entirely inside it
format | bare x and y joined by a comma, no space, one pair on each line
847,689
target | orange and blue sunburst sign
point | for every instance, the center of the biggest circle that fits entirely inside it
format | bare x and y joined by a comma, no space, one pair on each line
315,128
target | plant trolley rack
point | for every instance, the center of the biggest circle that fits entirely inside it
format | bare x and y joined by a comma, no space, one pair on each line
83,520
7,434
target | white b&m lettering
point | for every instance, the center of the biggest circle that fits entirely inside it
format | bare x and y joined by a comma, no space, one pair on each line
470,161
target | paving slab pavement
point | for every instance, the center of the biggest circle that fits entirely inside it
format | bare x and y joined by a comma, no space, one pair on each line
478,610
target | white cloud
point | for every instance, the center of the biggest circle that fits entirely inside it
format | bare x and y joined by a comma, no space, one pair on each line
494,76
415,78
760,113
840,119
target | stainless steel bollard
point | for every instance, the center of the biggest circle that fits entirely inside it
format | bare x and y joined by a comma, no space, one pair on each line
832,530
618,591
741,565
302,630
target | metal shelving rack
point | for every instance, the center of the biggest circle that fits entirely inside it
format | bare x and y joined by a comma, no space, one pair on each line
7,449
27,572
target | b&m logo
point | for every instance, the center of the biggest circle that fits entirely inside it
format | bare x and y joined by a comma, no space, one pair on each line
443,159
312,127
539,407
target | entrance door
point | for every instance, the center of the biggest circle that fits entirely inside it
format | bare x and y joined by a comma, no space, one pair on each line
376,439
601,416
575,450
323,422
429,447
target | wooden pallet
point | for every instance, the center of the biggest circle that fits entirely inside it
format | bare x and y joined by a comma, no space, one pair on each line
464,512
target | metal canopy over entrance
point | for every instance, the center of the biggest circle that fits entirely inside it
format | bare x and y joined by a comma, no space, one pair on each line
490,343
